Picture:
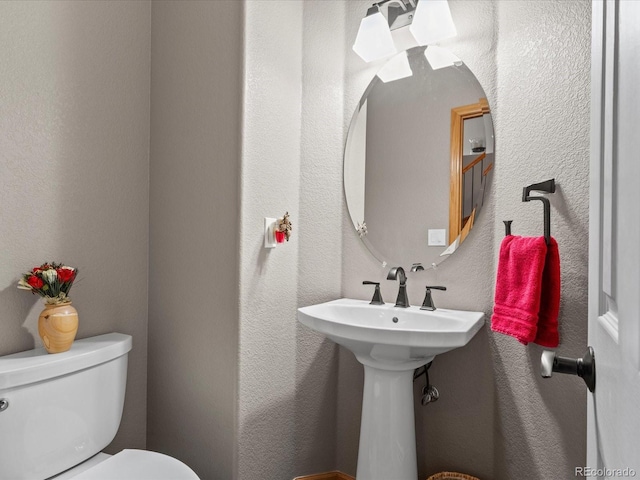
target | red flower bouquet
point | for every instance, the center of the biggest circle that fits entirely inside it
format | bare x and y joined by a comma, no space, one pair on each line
51,281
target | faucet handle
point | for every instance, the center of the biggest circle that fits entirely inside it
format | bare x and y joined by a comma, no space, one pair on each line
428,304
377,296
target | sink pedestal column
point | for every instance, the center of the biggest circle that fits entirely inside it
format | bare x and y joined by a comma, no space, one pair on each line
387,432
391,343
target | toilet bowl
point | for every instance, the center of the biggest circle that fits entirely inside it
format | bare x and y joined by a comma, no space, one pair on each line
58,411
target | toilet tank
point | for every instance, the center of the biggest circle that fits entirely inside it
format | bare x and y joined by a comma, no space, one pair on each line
60,409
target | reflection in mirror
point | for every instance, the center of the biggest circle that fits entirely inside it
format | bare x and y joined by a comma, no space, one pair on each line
418,158
471,163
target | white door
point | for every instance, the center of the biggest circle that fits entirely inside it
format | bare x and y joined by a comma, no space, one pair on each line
613,423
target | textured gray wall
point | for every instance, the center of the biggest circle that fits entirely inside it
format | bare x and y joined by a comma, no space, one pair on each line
271,136
543,132
320,258
496,417
196,93
292,149
74,140
276,419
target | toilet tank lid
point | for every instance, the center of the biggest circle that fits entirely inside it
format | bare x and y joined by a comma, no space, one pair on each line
36,365
139,465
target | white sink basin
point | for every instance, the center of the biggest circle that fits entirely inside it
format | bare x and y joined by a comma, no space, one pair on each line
389,337
390,342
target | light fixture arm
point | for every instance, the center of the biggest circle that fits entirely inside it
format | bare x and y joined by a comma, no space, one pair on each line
404,4
399,2
397,12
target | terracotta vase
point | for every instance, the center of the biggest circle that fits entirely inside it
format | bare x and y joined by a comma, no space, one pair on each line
57,326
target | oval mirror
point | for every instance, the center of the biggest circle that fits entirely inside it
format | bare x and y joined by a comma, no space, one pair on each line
419,158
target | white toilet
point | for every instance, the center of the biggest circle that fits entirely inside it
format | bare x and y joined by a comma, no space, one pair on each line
58,411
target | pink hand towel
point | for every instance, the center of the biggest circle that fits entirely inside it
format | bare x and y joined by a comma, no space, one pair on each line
519,287
547,334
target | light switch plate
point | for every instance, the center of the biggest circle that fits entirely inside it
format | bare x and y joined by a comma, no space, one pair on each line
437,237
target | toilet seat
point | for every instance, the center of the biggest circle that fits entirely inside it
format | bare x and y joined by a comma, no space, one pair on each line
138,465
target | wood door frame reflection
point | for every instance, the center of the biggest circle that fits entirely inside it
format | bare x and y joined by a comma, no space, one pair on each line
458,116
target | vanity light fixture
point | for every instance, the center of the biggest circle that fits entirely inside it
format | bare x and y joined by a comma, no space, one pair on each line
430,21
396,68
374,39
439,57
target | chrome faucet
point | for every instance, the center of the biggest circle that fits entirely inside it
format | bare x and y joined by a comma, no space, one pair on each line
397,273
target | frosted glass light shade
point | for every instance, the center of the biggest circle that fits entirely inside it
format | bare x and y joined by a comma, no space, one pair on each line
374,39
432,22
396,68
439,57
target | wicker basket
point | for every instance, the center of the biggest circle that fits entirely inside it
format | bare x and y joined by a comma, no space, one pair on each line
451,476
327,476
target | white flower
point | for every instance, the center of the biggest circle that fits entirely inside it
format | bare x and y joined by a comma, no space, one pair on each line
23,285
49,275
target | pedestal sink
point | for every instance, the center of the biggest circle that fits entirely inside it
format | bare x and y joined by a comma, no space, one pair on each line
390,342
